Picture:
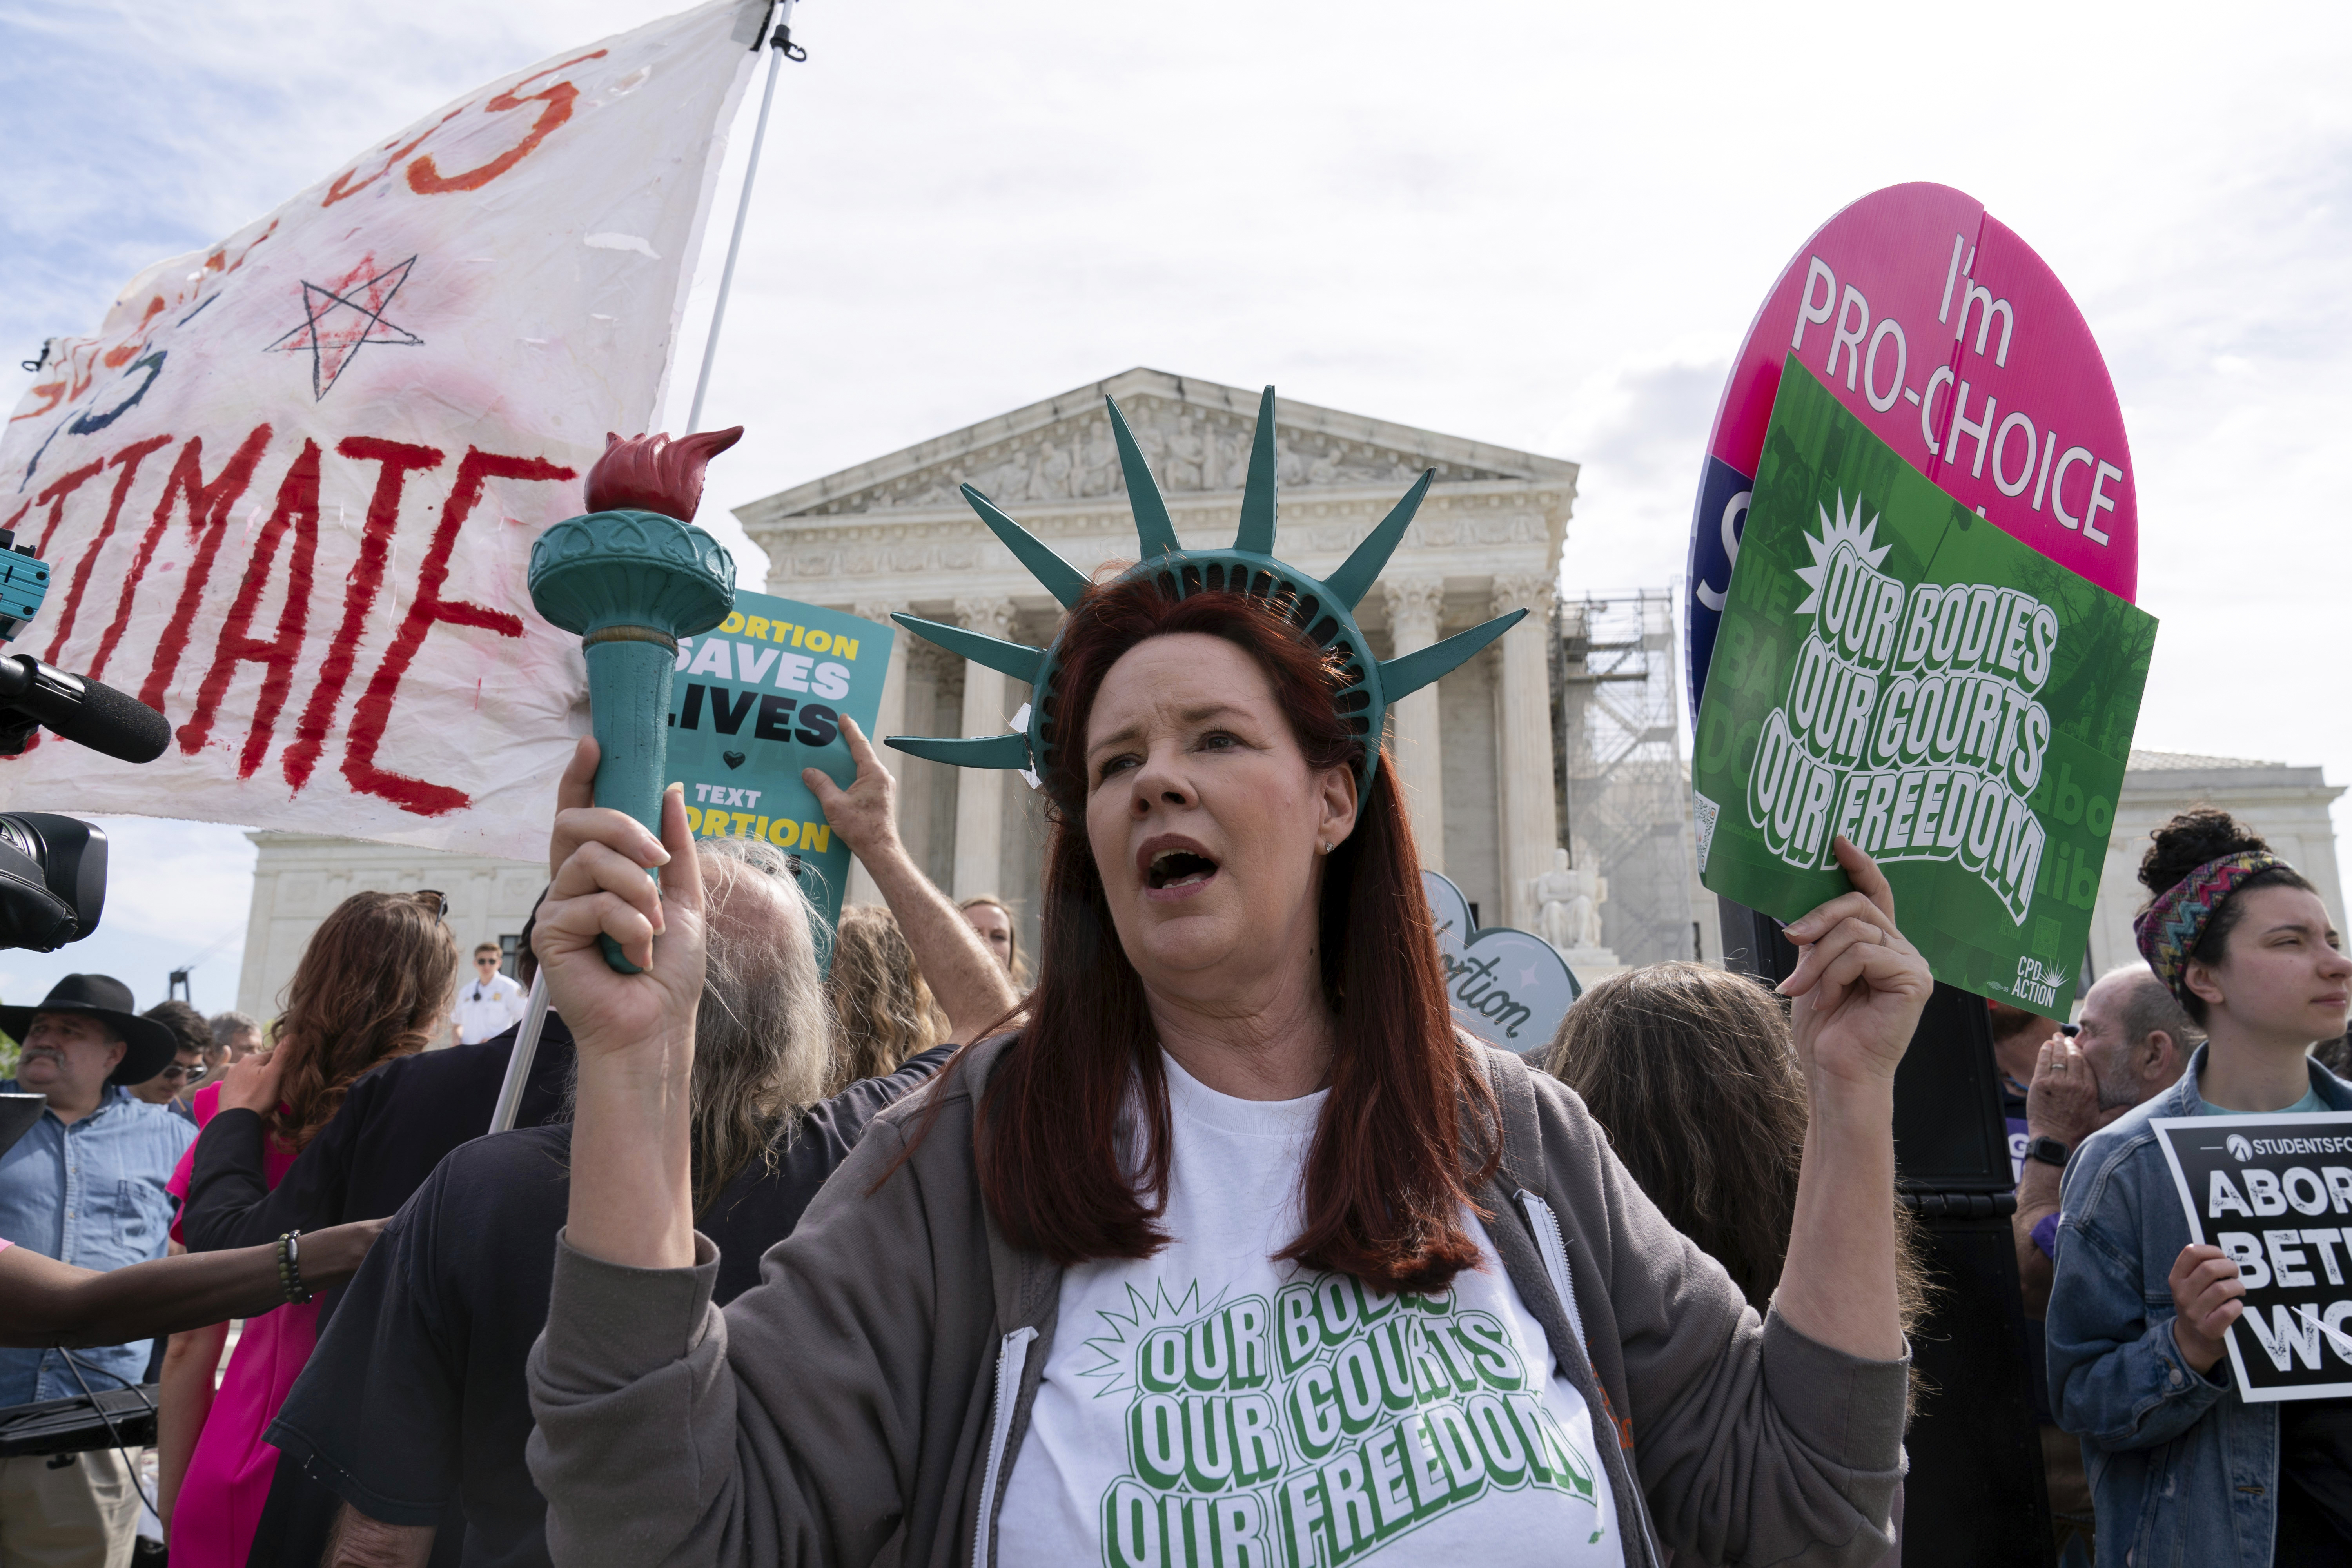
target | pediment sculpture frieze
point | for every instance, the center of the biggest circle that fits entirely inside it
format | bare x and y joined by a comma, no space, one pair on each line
1190,449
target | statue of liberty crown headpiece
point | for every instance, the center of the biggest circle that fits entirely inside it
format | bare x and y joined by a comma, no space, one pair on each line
1323,611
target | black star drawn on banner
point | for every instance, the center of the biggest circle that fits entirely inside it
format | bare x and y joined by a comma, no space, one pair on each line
340,317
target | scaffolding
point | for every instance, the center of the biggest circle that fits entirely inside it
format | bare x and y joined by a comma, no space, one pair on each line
1624,794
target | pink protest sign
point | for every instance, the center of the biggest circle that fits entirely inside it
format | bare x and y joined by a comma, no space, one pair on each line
1947,335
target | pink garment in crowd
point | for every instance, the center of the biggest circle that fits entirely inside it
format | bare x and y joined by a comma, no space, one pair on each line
229,1475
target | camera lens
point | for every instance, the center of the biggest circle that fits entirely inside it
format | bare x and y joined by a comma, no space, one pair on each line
52,880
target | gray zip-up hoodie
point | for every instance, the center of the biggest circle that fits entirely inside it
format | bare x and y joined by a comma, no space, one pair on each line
875,1388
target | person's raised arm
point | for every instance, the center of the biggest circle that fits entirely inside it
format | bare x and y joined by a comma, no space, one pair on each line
971,985
2062,1102
642,1446
230,1203
2037,1200
633,1034
1859,989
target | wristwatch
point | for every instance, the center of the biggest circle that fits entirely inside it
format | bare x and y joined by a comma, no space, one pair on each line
2049,1150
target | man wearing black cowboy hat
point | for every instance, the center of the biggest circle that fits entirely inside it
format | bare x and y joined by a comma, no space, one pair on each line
86,1186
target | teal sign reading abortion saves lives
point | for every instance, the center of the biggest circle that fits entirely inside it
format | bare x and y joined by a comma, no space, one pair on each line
758,700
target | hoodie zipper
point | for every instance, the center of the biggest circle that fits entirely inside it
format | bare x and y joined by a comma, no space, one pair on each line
1553,1245
1011,1359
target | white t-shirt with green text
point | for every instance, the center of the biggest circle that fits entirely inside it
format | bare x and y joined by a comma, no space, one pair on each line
1212,1408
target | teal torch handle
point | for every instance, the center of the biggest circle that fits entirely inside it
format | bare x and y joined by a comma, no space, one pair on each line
628,705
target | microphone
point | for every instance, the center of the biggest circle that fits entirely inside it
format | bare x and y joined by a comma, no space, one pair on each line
86,711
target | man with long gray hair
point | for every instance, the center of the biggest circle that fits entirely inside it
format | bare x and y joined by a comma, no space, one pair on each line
769,1049
412,1411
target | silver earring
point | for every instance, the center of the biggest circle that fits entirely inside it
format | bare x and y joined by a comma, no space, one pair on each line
1322,849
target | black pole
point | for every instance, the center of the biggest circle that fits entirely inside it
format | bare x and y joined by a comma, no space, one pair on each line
1975,1492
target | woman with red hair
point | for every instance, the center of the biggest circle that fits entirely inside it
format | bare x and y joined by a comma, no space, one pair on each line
1235,1251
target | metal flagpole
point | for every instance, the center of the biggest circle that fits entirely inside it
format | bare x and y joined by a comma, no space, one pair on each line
781,45
526,1047
534,1020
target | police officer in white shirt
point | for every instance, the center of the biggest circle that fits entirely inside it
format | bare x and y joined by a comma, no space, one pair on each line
488,1004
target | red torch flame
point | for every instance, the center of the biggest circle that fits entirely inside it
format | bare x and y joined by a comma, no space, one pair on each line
654,473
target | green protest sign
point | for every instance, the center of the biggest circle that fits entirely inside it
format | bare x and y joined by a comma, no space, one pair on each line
1893,668
758,700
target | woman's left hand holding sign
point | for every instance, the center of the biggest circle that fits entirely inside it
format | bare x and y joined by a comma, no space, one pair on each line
1857,992
633,1033
1859,986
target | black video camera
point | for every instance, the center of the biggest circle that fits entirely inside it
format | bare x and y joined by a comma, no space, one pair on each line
52,880
53,869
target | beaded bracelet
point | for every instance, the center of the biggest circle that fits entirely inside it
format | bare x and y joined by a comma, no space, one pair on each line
290,1267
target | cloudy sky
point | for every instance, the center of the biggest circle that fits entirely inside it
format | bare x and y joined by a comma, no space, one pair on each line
1546,226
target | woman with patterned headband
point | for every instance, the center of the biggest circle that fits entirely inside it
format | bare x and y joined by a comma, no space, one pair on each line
2182,1469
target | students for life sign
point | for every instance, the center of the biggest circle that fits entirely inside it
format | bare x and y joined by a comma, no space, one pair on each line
1943,333
2275,1192
288,490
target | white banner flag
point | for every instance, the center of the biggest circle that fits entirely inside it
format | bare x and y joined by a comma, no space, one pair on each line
287,493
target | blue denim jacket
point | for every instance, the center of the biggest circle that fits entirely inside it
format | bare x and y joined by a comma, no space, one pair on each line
2183,1471
91,1194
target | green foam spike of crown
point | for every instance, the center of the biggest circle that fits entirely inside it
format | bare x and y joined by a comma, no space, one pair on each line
1324,612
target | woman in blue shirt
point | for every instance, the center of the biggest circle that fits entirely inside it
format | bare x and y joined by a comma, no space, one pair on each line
2182,1469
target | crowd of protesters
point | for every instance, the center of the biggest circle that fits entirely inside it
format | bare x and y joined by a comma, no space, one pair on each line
828,1284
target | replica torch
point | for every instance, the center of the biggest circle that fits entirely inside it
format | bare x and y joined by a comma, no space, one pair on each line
631,576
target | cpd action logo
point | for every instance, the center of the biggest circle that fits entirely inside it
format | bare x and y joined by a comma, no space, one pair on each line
2240,1149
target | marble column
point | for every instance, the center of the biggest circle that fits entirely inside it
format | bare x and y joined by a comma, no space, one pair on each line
1523,717
1416,745
889,719
919,697
979,792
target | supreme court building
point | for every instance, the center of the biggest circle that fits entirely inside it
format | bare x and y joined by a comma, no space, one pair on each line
1475,752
